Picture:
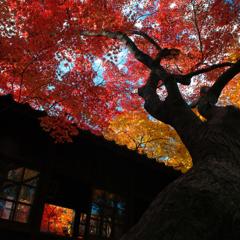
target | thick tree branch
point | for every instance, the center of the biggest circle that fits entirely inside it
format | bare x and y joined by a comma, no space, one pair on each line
174,109
139,55
215,91
206,103
186,79
153,104
166,53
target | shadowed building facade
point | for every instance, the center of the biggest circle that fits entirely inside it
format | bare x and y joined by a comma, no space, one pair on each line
88,189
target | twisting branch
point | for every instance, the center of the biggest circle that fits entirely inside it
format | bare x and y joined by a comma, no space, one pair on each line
209,95
166,53
173,110
148,38
210,68
153,104
139,55
186,79
215,91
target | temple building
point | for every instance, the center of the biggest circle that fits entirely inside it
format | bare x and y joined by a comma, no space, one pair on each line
88,189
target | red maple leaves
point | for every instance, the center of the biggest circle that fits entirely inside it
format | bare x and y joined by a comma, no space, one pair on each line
45,61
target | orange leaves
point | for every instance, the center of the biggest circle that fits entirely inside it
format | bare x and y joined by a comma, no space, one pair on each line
57,220
231,93
150,137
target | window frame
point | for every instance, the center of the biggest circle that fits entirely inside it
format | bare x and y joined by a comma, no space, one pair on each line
16,202
103,219
53,233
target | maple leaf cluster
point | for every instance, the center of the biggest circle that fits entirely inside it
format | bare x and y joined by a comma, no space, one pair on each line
157,140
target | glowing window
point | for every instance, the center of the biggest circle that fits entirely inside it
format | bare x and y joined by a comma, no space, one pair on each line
17,191
57,220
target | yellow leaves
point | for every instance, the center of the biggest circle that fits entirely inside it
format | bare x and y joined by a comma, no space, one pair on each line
157,140
195,110
231,92
234,56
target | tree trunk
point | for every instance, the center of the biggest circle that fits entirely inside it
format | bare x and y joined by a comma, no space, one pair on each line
205,202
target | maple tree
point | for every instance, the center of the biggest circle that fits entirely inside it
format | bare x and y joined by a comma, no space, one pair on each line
174,49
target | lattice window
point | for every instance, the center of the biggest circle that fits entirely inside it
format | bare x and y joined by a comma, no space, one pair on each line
17,192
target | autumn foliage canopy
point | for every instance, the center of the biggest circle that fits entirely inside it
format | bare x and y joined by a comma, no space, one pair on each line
71,59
